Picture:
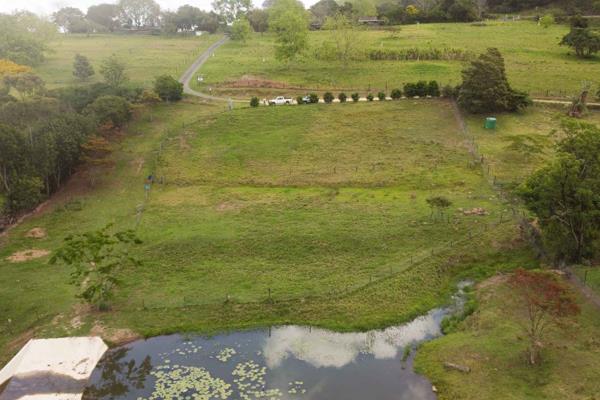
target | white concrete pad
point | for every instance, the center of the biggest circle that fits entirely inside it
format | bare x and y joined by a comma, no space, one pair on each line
56,369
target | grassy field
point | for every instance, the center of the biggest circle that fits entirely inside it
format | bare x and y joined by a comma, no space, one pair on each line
145,56
323,206
491,343
534,61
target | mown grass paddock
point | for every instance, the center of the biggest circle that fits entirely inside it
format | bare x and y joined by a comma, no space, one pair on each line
146,56
534,61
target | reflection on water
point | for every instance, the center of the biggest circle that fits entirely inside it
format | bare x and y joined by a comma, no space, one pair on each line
288,362
323,348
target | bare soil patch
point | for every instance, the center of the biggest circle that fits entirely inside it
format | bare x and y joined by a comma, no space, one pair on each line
113,335
36,233
26,255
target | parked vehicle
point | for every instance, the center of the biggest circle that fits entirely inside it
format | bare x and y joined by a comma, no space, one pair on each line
280,100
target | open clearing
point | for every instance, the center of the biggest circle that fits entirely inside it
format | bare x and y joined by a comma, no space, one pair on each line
534,61
322,205
145,56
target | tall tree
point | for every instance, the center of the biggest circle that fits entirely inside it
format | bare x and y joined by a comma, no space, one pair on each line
106,15
82,69
70,19
188,17
565,195
139,13
240,30
259,19
485,87
345,35
113,71
230,10
323,9
289,21
24,37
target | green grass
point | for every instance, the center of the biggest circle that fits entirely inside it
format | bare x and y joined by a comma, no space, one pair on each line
491,343
590,276
145,56
322,205
534,60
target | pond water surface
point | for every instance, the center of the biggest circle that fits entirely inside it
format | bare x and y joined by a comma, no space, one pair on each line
287,362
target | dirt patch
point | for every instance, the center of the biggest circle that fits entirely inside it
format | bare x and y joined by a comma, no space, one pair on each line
112,335
494,281
26,255
475,211
227,206
183,144
36,233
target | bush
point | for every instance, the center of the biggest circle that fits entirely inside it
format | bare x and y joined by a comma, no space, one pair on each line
342,97
328,97
299,100
168,88
25,194
314,98
396,94
370,97
433,89
356,97
112,110
410,90
421,88
381,96
149,97
449,92
254,102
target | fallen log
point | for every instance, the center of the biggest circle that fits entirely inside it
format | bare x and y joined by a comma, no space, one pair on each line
461,368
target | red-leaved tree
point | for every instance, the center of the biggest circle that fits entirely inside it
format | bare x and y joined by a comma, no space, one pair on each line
544,300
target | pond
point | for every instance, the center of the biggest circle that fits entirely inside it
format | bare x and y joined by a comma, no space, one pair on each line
286,362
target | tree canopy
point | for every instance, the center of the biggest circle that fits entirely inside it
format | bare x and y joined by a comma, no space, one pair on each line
565,195
289,21
485,87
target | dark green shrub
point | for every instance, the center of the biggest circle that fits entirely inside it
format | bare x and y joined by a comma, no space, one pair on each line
396,94
168,88
381,96
328,97
433,89
356,97
314,98
299,100
113,110
342,97
370,97
421,88
410,90
254,102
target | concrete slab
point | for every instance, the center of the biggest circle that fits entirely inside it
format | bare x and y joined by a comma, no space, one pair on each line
56,369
